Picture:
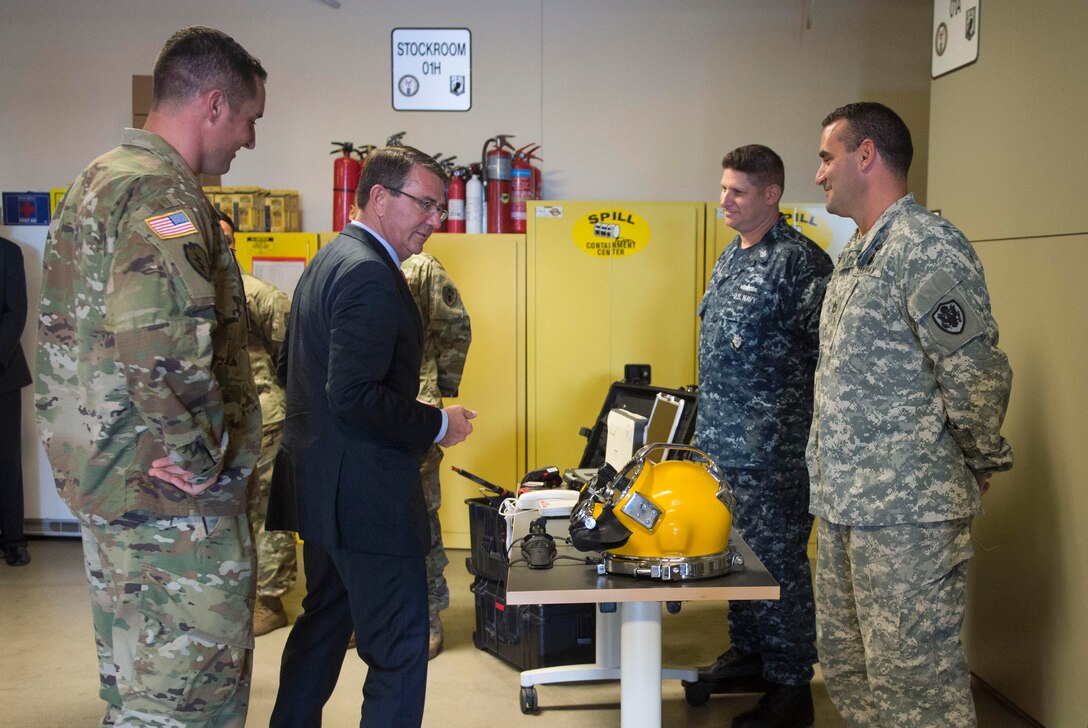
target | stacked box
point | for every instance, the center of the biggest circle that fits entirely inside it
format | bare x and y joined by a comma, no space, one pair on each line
246,206
526,636
282,211
213,194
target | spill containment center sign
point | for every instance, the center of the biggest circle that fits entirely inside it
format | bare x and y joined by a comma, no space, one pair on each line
432,69
611,233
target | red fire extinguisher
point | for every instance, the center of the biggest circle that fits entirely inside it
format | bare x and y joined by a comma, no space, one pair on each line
522,186
455,223
521,189
498,170
345,178
538,174
448,167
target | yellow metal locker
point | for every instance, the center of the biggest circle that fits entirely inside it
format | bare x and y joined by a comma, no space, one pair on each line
489,271
608,283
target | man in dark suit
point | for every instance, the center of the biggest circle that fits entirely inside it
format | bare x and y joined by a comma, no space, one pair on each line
347,474
14,375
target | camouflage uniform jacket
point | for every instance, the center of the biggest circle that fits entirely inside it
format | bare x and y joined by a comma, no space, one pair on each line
910,389
757,350
141,341
447,331
268,308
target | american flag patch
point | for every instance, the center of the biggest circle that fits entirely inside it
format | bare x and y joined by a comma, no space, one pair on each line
171,225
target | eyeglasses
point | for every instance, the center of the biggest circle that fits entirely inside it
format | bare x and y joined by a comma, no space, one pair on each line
428,207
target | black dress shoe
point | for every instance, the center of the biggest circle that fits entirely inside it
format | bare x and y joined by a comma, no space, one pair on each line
17,556
782,706
733,665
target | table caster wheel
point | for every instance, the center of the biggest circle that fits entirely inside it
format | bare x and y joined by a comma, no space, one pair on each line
529,705
696,694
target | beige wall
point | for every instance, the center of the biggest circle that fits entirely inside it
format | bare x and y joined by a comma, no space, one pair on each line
631,99
1009,165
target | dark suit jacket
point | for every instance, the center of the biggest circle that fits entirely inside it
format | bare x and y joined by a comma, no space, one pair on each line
14,373
347,474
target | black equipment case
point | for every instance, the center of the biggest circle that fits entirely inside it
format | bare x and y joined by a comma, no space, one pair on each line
637,398
532,636
526,636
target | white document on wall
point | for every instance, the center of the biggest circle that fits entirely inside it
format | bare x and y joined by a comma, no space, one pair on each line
280,272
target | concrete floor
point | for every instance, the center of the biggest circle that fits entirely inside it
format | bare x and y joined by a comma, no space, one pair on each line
51,676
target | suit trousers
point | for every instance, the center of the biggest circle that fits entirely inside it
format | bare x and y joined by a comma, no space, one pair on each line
11,469
384,598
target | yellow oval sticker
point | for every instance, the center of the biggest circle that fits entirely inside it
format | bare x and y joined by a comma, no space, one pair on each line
611,233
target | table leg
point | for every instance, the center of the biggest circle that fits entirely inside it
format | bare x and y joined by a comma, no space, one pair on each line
640,665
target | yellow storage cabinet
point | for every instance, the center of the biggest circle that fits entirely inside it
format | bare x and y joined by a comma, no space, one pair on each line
608,283
489,271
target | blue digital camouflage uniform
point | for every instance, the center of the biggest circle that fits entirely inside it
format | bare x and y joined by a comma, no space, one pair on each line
141,354
910,394
268,307
757,352
447,333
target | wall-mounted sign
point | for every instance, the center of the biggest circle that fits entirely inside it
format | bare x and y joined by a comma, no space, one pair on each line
26,208
955,35
432,69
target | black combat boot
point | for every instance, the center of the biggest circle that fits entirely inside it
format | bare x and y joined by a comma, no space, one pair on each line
735,671
782,706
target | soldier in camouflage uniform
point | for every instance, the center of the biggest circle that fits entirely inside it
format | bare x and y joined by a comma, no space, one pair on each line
145,400
277,560
447,334
757,352
910,394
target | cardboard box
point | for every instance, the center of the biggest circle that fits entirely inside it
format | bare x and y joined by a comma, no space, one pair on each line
246,206
282,212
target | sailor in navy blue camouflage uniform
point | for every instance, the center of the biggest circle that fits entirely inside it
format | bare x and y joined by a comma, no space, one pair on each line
757,352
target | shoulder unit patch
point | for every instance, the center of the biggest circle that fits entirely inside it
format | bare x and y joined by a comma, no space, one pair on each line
198,257
949,316
449,295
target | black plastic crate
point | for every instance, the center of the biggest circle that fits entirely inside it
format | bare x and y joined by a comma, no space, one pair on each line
487,532
532,636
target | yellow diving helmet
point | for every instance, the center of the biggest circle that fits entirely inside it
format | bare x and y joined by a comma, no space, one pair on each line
667,519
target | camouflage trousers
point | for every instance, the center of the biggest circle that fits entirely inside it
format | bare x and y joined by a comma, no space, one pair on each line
771,514
277,559
172,604
438,591
890,603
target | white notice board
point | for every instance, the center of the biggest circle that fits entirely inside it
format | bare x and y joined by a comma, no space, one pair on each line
955,35
432,69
